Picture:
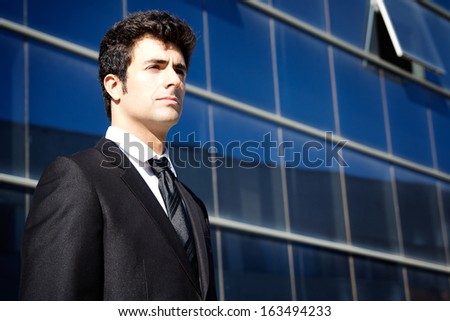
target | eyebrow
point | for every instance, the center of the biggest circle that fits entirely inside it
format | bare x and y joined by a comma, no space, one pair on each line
164,62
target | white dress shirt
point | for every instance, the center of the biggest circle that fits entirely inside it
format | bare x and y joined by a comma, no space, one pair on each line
139,153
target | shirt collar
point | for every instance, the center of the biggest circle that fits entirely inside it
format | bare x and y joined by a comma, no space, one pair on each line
134,147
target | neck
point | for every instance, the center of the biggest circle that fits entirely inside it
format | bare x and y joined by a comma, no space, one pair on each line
153,138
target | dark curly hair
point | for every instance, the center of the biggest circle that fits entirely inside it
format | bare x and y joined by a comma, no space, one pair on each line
118,42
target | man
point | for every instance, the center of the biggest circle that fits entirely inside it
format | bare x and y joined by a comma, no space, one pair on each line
113,222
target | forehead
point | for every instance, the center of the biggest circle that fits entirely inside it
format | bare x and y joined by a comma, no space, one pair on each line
149,47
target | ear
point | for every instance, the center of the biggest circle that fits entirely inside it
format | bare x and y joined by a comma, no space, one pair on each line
113,86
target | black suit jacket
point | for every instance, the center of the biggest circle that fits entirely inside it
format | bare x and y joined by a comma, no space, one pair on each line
95,231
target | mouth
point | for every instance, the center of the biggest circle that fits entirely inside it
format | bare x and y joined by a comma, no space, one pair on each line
170,99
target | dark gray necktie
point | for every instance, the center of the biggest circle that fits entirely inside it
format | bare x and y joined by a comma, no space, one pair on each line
176,210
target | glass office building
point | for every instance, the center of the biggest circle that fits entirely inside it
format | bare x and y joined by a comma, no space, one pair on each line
317,132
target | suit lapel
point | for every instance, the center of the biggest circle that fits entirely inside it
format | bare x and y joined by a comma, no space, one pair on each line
144,195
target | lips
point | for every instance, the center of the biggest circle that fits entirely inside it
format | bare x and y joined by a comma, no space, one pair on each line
170,98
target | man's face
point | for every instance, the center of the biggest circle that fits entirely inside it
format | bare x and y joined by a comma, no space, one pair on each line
155,85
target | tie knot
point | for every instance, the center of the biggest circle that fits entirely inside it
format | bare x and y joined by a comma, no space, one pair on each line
159,165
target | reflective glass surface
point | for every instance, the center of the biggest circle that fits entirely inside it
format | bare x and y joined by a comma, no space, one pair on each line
349,20
440,109
12,83
304,78
81,21
64,91
370,203
407,105
314,190
412,31
378,280
359,97
254,268
248,176
426,285
192,12
440,30
321,274
11,10
419,216
312,12
240,53
12,218
12,109
188,141
445,193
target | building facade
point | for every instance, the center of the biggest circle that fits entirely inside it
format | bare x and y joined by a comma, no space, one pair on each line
317,132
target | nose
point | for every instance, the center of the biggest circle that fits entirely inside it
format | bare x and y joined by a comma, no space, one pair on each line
172,78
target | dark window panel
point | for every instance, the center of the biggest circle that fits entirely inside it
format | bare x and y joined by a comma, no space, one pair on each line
12,218
248,174
255,268
378,280
314,188
445,192
321,275
48,143
370,203
428,285
419,216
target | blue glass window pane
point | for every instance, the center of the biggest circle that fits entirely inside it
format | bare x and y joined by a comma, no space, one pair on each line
427,285
412,32
349,19
192,12
312,12
442,3
314,189
81,21
378,280
12,117
361,119
321,275
445,192
419,216
408,121
240,52
188,140
12,82
370,203
248,176
440,108
440,31
47,143
12,219
12,10
304,78
255,269
64,91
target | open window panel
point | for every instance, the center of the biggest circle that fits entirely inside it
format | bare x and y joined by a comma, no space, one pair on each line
397,32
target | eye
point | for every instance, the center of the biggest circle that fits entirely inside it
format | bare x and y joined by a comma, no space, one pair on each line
180,71
154,67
